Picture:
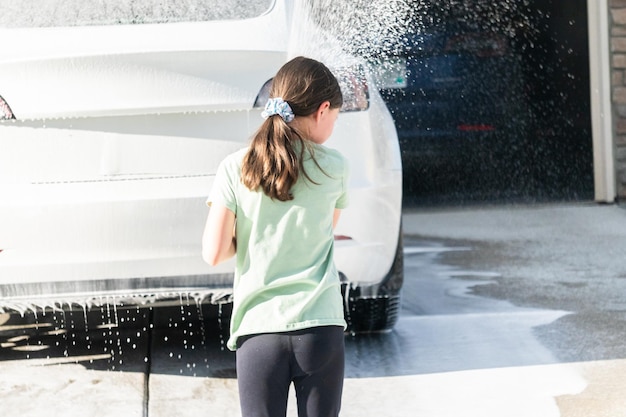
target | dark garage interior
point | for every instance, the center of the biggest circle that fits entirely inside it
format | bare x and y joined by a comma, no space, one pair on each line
496,103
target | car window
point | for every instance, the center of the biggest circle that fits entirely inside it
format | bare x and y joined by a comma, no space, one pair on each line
58,13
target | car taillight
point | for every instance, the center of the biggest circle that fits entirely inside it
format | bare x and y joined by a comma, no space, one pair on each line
5,110
264,94
356,95
353,85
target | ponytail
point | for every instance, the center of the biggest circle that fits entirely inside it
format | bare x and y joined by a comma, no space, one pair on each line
274,160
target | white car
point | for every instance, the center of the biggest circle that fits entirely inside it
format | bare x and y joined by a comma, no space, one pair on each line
113,119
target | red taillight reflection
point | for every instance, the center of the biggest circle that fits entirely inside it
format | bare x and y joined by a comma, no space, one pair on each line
476,128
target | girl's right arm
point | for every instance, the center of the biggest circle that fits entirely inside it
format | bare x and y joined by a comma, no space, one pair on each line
218,240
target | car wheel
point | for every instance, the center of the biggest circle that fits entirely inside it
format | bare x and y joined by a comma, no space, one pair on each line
375,308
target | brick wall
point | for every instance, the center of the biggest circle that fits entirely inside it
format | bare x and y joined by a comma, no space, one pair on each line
618,51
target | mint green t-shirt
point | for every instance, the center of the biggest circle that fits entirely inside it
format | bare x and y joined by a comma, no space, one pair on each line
285,276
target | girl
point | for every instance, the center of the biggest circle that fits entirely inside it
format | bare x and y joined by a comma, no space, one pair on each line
274,205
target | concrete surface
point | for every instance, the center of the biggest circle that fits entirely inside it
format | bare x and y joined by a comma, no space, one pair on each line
483,361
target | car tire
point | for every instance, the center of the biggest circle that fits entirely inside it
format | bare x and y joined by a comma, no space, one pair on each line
375,308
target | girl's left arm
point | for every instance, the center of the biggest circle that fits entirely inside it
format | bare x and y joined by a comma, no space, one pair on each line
218,240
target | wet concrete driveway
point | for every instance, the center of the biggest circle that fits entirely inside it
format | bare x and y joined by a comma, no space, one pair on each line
505,313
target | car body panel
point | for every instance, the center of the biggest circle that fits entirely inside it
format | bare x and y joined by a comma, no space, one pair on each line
105,171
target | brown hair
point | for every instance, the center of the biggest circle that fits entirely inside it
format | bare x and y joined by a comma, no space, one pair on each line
274,161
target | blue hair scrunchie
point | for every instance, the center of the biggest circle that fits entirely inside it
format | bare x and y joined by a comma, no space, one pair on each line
280,107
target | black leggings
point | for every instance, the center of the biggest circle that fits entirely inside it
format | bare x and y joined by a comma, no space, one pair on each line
313,359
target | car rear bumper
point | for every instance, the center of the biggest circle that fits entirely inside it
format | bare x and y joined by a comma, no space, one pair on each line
139,242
